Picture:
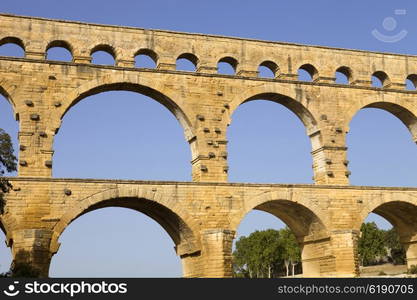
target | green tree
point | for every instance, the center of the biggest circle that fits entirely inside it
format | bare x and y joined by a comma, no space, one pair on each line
7,164
371,244
263,253
256,255
396,250
292,252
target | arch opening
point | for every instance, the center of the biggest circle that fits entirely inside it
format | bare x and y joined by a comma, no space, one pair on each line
387,244
12,46
90,243
279,146
130,130
187,62
380,79
227,66
291,234
380,150
10,126
59,51
146,58
307,72
343,75
103,55
411,82
268,69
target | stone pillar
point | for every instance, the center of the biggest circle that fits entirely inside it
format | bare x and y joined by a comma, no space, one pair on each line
248,73
32,246
317,258
125,63
325,79
330,156
397,81
207,69
210,148
326,75
35,140
247,69
288,76
362,79
411,253
82,59
35,50
166,64
191,265
344,244
217,253
410,246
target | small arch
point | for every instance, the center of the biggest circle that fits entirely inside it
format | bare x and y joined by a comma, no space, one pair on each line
411,82
12,46
307,72
380,79
103,55
343,75
59,50
227,66
187,62
146,58
268,69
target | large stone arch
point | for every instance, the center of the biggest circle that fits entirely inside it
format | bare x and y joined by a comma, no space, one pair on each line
405,111
4,227
298,102
6,90
180,226
401,211
306,221
293,99
152,89
7,224
315,220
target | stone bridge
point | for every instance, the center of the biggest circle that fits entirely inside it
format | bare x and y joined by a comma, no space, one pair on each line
202,216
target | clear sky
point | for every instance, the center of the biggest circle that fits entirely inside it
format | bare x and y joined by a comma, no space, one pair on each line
267,143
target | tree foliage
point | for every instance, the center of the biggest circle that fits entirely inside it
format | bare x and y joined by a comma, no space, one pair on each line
376,245
264,254
7,164
274,253
396,250
371,244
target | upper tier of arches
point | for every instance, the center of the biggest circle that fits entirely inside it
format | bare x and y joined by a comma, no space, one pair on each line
245,57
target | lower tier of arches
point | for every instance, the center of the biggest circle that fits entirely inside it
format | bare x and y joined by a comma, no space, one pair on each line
202,219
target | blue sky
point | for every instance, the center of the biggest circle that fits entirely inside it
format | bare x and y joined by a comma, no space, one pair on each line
128,141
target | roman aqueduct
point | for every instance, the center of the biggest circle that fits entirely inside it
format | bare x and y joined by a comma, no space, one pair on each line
202,216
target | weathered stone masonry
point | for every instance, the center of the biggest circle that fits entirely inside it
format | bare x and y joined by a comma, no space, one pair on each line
202,216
